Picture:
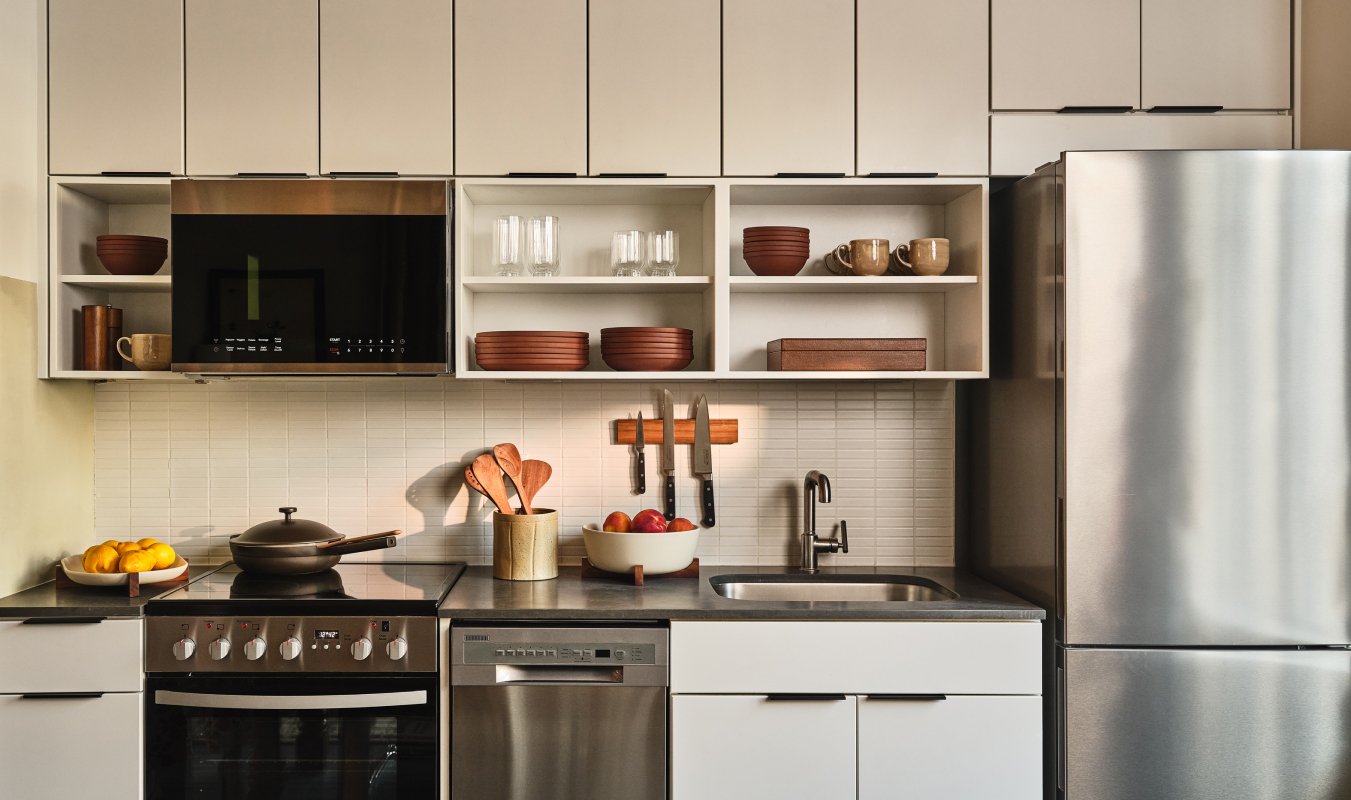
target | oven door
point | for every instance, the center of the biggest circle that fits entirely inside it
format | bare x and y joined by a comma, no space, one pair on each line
249,738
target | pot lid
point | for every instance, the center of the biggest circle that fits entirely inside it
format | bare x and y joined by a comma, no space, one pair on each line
288,531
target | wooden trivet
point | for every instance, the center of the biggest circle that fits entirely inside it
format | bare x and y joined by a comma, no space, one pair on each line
63,581
589,570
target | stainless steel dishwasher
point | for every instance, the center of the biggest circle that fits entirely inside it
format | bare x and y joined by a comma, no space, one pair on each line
559,712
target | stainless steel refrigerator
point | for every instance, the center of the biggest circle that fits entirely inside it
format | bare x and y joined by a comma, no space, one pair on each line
1162,457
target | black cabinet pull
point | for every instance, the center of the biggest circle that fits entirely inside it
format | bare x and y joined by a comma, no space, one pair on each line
809,174
135,173
271,175
541,174
60,695
1094,110
631,175
901,175
799,696
361,173
63,620
1183,109
923,697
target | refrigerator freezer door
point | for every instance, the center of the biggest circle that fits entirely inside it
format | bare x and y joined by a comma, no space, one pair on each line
1206,724
1207,398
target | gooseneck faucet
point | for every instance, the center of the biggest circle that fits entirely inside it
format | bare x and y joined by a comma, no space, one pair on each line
817,485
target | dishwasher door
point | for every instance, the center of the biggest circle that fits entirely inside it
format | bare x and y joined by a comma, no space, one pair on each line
566,713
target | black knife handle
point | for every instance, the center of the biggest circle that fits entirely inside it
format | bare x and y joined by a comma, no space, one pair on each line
669,499
708,503
642,473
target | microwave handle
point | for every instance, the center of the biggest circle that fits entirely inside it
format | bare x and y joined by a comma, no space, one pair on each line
304,702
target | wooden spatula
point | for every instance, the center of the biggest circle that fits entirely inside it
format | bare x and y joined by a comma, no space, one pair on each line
509,459
534,474
489,477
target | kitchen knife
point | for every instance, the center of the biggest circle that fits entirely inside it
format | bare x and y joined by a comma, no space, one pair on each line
703,458
642,462
668,452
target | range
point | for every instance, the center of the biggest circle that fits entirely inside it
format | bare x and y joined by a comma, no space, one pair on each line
317,685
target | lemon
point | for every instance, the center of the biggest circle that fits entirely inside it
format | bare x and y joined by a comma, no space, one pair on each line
145,543
127,547
136,561
163,553
110,543
100,559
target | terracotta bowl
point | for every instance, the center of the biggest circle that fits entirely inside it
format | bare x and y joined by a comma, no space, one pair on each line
792,229
632,363
127,238
777,266
132,263
645,330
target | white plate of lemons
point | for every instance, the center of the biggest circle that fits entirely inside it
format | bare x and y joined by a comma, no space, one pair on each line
112,563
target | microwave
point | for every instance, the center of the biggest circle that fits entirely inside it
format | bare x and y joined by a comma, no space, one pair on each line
339,277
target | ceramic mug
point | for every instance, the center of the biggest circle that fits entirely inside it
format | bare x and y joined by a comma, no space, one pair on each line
149,351
924,256
864,256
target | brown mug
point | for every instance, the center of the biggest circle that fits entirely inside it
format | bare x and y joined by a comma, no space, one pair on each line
924,256
864,256
149,351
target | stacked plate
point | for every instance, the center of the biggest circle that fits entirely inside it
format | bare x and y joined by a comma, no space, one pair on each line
546,351
124,254
647,349
776,250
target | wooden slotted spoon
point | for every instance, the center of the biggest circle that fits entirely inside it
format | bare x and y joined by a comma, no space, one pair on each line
534,474
509,459
489,477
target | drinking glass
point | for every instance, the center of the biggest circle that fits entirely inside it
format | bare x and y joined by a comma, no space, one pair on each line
507,246
626,254
663,253
541,236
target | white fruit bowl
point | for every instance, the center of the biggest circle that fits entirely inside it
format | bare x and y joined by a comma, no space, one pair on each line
658,553
74,567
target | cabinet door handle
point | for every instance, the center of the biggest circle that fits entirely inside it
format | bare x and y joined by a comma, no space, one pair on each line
60,695
901,175
809,174
1094,110
362,173
920,697
632,175
801,696
63,620
135,173
1184,109
541,174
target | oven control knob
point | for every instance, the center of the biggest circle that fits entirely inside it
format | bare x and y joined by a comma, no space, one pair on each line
218,649
397,649
255,648
184,648
290,648
361,649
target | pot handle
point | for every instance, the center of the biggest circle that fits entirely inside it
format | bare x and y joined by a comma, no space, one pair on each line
359,544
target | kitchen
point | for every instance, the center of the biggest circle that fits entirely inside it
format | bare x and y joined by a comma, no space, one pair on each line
579,112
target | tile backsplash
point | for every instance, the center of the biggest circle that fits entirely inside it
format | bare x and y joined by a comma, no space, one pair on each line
195,463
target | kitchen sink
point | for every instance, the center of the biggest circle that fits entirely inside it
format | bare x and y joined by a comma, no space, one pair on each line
830,588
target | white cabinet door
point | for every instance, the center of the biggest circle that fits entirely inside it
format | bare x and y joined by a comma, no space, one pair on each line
103,656
115,73
520,86
1048,54
788,86
386,86
71,747
252,75
923,86
972,746
1230,53
656,71
740,746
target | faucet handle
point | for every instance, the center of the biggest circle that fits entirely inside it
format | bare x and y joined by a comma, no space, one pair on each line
844,536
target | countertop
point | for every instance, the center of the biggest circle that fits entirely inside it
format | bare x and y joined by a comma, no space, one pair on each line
477,595
45,600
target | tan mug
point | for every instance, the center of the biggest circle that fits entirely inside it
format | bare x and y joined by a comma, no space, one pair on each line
149,351
864,256
924,256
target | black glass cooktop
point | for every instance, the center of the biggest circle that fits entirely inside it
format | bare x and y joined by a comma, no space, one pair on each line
356,588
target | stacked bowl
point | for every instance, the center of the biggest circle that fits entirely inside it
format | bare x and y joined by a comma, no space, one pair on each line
647,349
535,351
776,250
124,254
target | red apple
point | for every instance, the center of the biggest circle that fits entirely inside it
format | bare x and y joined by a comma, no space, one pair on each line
680,524
649,521
618,522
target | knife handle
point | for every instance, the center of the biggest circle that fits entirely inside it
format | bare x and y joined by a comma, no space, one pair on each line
708,503
670,498
642,473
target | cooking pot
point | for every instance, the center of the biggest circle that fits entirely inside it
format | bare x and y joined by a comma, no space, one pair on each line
299,546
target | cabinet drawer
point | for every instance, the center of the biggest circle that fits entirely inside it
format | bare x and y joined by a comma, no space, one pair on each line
71,746
856,657
70,657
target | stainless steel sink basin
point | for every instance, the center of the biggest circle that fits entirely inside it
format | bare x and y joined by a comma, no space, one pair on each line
830,588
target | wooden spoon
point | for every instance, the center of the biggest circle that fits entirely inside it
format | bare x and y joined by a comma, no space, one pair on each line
509,459
472,482
534,474
490,480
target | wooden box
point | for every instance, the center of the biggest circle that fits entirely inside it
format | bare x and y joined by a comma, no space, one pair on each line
847,354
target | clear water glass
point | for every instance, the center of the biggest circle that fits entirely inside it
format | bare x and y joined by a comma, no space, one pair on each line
627,254
507,256
663,253
541,237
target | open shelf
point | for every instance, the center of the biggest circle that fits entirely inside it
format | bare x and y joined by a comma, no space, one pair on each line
121,283
814,284
604,374
608,285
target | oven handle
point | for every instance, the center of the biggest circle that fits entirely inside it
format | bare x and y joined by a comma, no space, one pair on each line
303,702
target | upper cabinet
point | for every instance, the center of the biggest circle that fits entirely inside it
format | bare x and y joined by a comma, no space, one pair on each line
923,87
1229,53
788,86
386,91
655,73
116,86
520,86
1050,54
252,77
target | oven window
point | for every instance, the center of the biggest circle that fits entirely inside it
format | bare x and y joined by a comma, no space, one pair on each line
364,751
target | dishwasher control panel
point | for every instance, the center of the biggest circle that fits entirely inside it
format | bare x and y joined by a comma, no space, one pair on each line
547,652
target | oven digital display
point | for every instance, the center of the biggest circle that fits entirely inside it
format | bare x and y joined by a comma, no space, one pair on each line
326,634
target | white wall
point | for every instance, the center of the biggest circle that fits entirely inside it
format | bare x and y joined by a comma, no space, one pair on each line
23,154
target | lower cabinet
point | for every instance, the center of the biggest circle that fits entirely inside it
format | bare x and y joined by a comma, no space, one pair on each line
58,746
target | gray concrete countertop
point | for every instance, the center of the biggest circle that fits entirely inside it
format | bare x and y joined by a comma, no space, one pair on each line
477,595
45,600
